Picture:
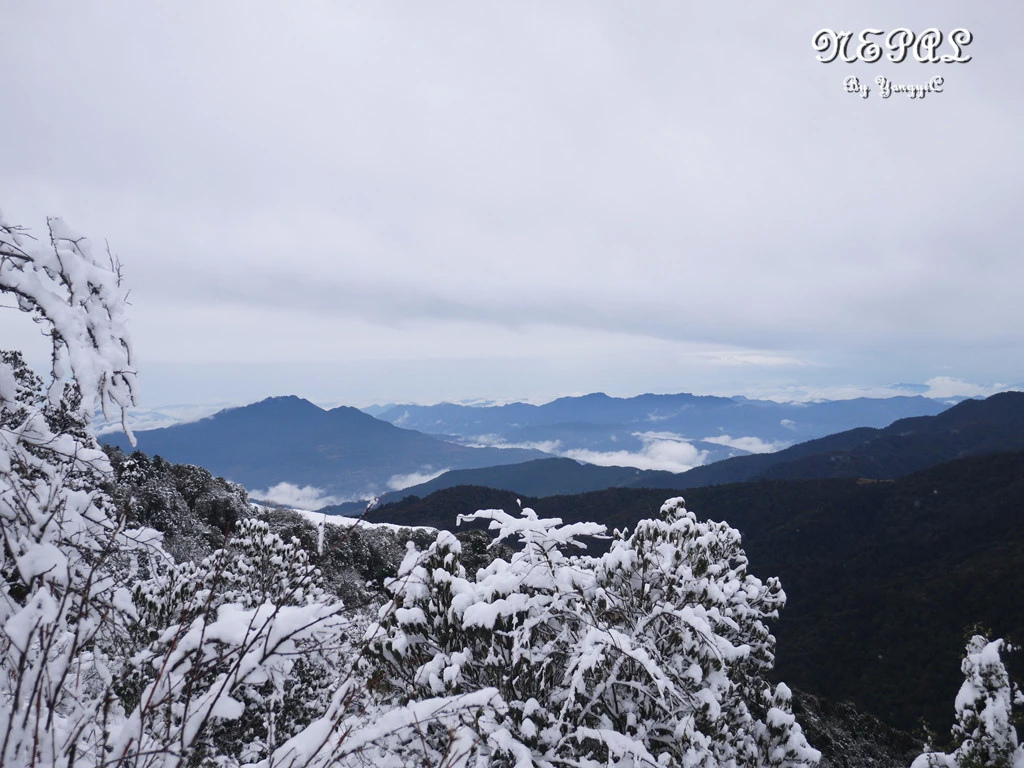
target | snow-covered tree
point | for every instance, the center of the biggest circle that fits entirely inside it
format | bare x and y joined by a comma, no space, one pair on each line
255,568
983,734
679,590
652,654
66,558
94,673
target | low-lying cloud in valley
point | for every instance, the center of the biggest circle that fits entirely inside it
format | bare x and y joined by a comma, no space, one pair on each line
947,386
749,444
671,454
660,450
299,497
399,482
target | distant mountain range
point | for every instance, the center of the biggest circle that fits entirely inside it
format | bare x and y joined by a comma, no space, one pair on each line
342,452
720,426
972,427
345,455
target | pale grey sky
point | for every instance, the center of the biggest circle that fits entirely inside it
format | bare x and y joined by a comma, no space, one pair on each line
373,202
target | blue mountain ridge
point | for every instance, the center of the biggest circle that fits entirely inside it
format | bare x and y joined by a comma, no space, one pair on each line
970,428
287,439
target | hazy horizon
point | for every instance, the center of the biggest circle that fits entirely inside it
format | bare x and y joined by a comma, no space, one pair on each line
947,391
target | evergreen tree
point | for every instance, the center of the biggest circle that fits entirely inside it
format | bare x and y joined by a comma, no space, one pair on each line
652,654
255,568
983,734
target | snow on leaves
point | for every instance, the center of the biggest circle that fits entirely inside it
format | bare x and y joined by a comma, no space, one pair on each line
231,635
983,734
66,558
78,298
110,654
651,654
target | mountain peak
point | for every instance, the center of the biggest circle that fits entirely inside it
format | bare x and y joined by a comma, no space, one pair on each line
282,404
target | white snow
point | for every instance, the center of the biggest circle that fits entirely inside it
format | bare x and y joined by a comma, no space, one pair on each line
346,522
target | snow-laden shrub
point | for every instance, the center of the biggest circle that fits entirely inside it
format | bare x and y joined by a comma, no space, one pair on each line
983,734
67,559
94,673
652,654
255,570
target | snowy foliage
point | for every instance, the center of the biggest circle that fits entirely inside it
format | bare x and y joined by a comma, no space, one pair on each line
983,735
78,299
217,620
192,509
113,654
652,654
67,560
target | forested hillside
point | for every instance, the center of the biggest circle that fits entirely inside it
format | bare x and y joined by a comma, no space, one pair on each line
884,578
970,428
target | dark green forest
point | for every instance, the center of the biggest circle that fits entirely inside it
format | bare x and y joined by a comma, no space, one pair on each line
884,578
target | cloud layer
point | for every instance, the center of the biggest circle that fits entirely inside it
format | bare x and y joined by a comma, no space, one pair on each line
748,444
298,497
488,200
399,482
667,455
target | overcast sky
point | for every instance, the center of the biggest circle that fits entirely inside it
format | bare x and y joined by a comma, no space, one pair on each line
377,202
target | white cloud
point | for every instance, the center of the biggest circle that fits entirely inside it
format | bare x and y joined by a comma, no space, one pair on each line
553,447
140,419
298,497
655,435
596,161
937,387
661,450
817,394
749,444
671,455
481,441
753,358
398,482
947,386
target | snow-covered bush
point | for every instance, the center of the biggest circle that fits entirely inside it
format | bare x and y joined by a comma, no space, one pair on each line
652,654
983,734
112,655
695,620
66,557
255,570
193,510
